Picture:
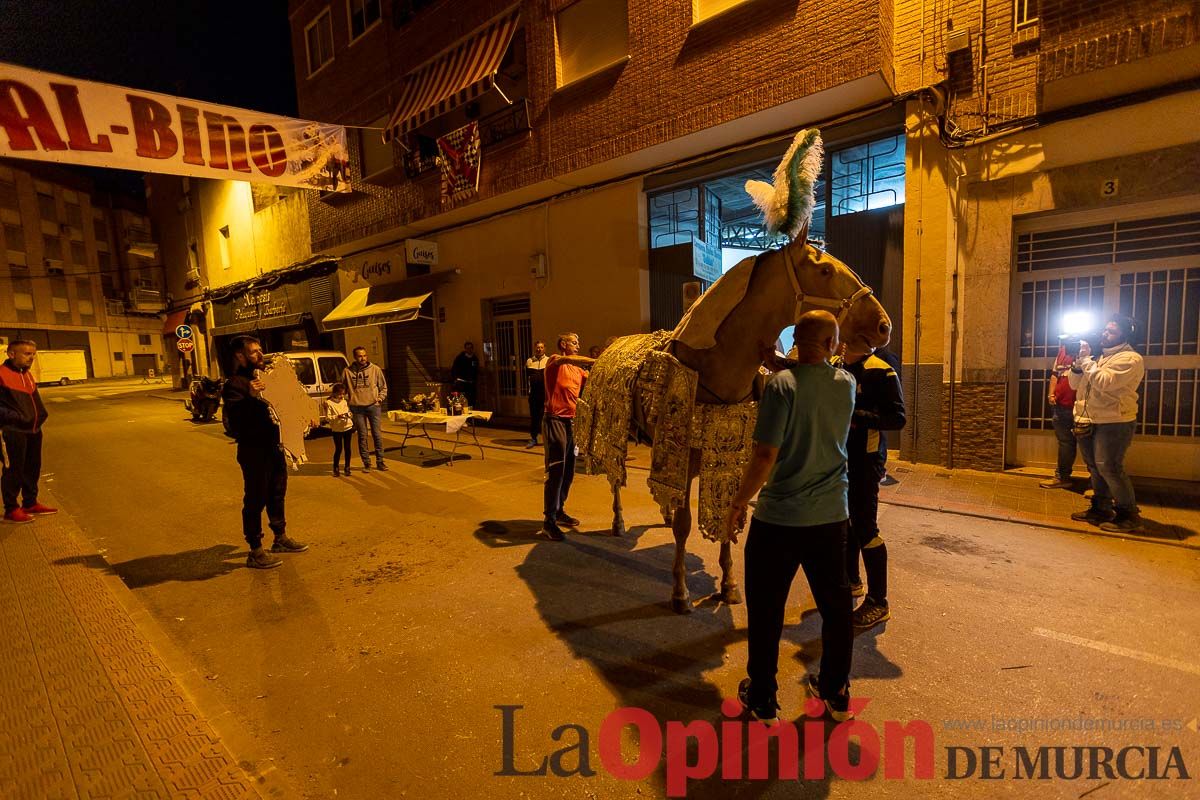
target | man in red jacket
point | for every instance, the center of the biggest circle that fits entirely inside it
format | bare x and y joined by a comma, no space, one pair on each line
22,415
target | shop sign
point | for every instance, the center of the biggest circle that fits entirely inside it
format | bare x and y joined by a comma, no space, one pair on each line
418,251
263,305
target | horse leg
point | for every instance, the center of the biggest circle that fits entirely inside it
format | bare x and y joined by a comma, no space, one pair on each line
681,526
730,592
618,523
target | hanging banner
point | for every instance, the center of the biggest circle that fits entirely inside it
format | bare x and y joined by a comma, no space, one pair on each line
458,159
47,117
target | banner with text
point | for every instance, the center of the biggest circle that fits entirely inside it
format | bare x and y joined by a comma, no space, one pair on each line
49,117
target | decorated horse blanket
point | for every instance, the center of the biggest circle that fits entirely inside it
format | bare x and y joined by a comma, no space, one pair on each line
639,390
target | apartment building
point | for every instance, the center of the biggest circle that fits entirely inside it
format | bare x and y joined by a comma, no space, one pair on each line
990,164
81,271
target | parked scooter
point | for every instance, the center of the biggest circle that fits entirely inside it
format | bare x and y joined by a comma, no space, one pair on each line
204,398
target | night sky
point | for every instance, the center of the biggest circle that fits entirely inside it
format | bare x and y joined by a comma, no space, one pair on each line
234,53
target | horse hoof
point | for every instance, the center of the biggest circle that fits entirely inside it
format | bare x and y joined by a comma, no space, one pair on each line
681,605
732,596
618,528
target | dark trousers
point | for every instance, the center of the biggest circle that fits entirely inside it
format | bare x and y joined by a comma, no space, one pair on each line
560,463
864,473
1064,424
773,554
341,443
264,477
537,409
1104,453
24,467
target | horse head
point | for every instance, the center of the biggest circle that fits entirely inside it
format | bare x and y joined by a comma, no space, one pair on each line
823,282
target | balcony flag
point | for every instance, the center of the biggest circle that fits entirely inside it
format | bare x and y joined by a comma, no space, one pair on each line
47,117
458,160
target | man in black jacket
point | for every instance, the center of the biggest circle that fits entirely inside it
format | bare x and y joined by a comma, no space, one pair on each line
22,415
878,407
264,471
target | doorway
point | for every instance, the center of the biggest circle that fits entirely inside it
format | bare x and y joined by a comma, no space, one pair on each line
512,334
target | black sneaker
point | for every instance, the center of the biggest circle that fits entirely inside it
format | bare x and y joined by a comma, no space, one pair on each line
552,531
870,614
336,474
261,559
765,712
381,466
285,544
1094,516
563,518
1123,522
857,589
346,470
838,708
366,467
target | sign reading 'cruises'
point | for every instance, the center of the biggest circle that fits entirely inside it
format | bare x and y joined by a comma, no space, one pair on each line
47,117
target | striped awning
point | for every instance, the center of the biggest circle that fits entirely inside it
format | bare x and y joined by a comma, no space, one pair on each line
457,75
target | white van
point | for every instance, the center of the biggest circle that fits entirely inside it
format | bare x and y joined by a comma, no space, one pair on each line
59,366
317,370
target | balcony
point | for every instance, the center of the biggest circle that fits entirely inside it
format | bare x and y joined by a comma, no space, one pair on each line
146,301
494,129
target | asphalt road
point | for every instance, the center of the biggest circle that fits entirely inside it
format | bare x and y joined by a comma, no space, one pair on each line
372,666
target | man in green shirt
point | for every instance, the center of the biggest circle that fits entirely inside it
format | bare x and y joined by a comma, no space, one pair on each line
801,517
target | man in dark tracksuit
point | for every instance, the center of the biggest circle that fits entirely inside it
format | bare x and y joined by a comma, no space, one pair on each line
22,415
264,471
878,407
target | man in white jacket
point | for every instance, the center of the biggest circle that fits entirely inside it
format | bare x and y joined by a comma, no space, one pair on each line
1107,398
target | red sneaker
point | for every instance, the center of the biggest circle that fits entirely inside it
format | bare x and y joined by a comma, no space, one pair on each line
17,516
39,509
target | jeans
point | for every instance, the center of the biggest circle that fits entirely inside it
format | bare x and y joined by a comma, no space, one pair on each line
560,464
1104,453
341,441
773,554
537,409
264,480
24,467
864,472
1064,423
369,416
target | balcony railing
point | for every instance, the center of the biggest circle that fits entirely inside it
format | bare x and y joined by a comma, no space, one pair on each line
493,129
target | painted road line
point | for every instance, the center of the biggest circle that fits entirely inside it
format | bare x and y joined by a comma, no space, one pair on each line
59,400
1104,647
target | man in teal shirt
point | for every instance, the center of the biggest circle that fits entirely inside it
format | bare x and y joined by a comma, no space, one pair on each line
801,517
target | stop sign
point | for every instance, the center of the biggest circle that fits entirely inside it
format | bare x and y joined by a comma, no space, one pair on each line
185,345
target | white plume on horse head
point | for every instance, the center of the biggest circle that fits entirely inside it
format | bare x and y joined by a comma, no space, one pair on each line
787,206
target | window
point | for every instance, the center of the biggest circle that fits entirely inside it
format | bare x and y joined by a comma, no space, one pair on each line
1025,12
226,251
363,14
101,229
78,254
331,369
105,259
22,294
318,38
868,176
304,370
144,339
52,247
703,9
83,298
591,35
75,217
376,153
8,195
46,206
14,238
118,356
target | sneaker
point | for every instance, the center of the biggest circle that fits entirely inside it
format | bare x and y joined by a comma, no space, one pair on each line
531,444
40,510
381,466
766,712
346,470
838,708
870,614
285,544
261,559
551,530
563,518
1123,522
1094,516
858,589
1056,483
366,467
17,516
336,474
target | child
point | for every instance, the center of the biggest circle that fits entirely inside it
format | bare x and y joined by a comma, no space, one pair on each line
337,411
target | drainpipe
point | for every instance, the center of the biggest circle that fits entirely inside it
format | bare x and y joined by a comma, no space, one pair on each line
953,324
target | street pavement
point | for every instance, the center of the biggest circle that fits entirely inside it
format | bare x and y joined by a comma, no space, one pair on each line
373,665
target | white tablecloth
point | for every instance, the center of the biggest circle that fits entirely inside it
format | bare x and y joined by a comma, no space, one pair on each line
453,423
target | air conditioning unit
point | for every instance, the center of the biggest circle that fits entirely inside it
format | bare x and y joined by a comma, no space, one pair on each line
54,266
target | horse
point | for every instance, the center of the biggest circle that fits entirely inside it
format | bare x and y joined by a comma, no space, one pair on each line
723,340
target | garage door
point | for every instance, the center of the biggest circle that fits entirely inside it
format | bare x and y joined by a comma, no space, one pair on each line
144,362
1147,267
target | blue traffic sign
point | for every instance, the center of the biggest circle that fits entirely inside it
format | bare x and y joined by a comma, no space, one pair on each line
184,331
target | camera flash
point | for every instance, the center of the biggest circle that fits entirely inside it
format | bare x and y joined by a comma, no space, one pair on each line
1077,322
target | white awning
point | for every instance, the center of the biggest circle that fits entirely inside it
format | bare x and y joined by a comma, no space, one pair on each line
360,309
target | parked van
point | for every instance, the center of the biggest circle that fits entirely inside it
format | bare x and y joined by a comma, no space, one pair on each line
317,370
60,366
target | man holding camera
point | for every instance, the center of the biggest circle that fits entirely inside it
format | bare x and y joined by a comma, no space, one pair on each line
1106,408
1062,404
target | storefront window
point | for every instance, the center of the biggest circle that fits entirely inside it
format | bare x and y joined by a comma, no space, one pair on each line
868,176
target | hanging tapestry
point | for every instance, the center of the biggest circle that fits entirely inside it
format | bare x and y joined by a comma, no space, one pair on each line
458,160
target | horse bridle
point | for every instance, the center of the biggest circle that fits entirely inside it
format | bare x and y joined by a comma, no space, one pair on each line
840,306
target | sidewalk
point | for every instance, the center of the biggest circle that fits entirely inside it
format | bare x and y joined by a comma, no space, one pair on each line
1171,510
89,706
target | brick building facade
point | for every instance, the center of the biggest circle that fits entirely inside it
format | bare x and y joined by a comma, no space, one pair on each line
991,107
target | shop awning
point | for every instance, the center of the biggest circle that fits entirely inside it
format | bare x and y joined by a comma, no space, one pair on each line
374,306
174,320
457,75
